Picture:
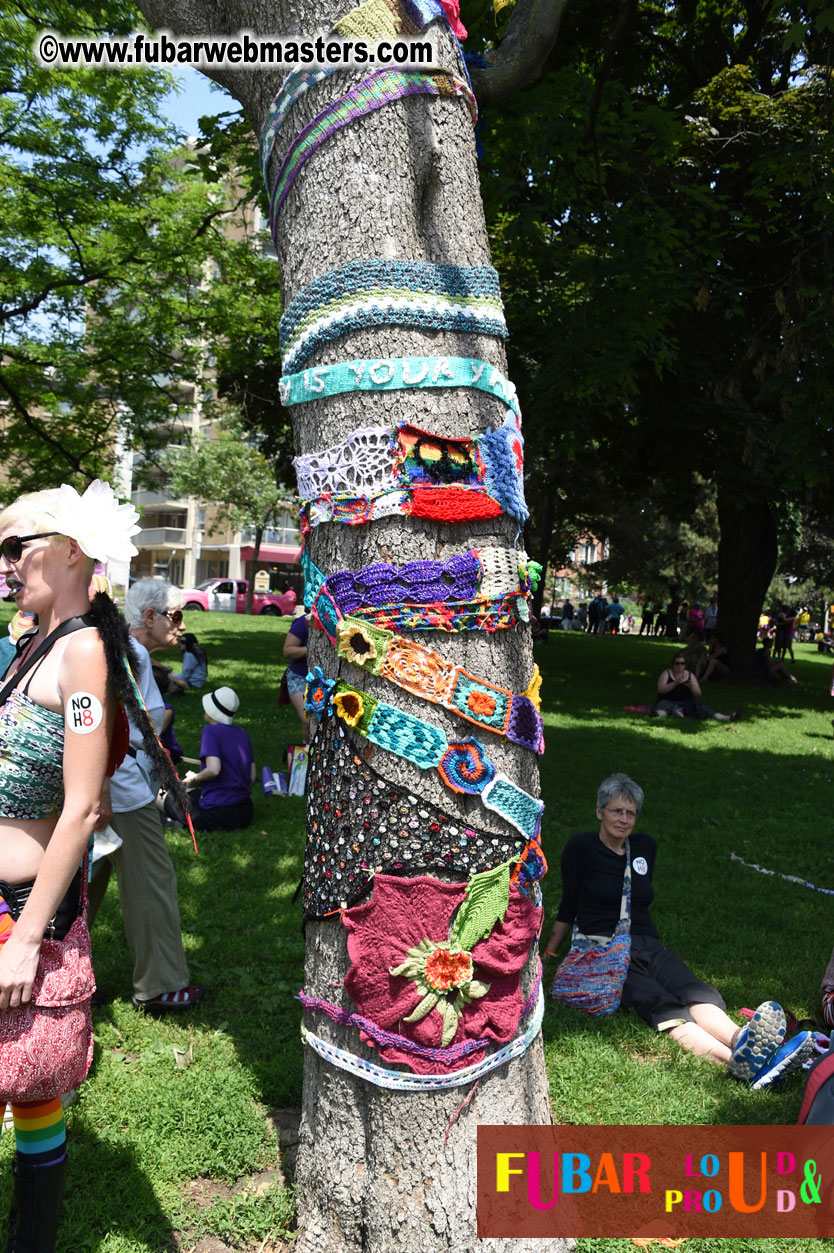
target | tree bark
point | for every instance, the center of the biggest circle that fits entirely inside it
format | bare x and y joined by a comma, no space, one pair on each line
376,1171
747,555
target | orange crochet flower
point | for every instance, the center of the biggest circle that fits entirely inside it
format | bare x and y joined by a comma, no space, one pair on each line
448,968
481,703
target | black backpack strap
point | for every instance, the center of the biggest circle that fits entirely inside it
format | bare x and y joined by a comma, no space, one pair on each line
64,628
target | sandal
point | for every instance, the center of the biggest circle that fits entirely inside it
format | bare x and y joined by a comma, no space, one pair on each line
185,998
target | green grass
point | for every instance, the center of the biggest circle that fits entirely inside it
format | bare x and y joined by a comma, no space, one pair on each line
157,1149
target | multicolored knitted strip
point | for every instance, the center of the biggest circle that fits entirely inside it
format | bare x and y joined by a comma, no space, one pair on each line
463,765
430,676
373,20
40,1132
390,374
443,1056
380,88
402,1081
470,592
360,824
379,471
386,292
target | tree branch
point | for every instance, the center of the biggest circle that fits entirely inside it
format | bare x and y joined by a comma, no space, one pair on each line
520,57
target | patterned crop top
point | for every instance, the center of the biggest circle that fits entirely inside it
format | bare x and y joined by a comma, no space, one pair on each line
31,759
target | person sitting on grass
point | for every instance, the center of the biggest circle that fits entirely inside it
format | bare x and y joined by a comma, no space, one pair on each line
194,666
768,668
679,693
716,663
221,791
659,986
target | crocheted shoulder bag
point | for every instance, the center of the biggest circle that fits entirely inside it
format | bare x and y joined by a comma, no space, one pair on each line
592,975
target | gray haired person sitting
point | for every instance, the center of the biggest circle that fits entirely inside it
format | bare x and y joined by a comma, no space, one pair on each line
659,985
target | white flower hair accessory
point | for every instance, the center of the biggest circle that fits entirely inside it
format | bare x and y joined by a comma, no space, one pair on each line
100,524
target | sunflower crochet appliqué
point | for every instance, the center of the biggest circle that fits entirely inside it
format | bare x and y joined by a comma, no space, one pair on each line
405,926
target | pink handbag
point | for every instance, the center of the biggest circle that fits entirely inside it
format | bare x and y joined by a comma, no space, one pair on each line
46,1046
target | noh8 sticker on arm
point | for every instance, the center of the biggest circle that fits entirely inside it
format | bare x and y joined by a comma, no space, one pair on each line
83,713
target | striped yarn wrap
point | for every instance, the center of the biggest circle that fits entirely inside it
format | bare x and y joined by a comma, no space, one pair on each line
428,675
380,88
401,1081
373,20
382,291
463,765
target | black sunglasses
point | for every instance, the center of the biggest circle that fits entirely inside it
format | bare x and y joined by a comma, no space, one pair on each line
174,616
12,546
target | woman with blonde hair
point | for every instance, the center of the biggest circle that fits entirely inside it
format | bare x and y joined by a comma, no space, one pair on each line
58,707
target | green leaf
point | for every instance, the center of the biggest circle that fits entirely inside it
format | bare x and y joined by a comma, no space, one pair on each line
485,903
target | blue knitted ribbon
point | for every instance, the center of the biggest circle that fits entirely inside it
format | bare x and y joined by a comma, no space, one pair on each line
463,765
401,1081
382,292
406,16
396,374
380,88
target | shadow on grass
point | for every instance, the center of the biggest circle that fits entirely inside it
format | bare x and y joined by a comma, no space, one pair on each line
127,1206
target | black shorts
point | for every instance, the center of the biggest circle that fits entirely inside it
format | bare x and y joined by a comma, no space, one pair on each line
214,818
660,987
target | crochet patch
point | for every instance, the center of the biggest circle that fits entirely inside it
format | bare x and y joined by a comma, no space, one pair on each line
386,292
425,673
398,833
463,765
378,471
471,591
408,975
381,87
391,374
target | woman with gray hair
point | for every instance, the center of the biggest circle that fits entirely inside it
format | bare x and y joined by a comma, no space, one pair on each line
146,876
659,985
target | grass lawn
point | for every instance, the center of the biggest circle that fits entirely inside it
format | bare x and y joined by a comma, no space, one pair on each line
158,1148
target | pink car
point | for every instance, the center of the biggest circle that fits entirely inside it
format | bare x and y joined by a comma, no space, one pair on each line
229,596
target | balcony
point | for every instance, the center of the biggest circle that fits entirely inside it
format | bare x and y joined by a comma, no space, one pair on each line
160,537
160,499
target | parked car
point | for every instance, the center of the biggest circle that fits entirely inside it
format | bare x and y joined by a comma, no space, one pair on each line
229,596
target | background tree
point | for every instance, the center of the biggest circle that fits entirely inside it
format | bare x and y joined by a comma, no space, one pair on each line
116,251
374,1171
657,207
236,477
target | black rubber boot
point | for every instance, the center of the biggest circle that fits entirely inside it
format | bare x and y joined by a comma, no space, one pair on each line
36,1207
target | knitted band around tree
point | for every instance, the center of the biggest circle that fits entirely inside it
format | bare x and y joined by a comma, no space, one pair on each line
386,292
427,674
485,589
462,764
396,374
379,471
372,21
399,1081
360,824
380,88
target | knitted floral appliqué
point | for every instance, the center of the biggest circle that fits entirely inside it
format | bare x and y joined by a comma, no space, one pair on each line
350,707
358,646
443,975
318,692
409,933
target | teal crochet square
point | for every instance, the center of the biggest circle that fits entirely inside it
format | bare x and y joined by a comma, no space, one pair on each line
480,701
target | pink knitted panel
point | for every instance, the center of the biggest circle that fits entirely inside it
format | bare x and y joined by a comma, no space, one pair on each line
401,913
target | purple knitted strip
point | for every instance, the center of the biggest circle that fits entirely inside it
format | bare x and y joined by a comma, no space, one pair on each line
383,1038
425,582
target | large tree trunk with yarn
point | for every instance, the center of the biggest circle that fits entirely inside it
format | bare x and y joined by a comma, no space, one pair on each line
376,1169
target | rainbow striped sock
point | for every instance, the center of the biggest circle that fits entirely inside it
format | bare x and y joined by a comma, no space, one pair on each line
40,1132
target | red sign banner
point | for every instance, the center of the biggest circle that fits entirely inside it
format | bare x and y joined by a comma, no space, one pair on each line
757,1181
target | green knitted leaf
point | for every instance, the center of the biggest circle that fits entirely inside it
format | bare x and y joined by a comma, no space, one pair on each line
486,902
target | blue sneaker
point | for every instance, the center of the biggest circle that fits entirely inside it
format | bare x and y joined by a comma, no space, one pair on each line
757,1042
793,1054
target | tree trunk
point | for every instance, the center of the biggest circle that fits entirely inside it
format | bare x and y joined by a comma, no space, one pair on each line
747,555
376,1171
250,588
548,513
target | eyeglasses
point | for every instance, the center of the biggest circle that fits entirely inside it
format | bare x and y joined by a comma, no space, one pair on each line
174,616
622,813
12,546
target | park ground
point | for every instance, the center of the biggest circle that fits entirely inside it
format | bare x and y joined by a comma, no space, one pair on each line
174,1139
